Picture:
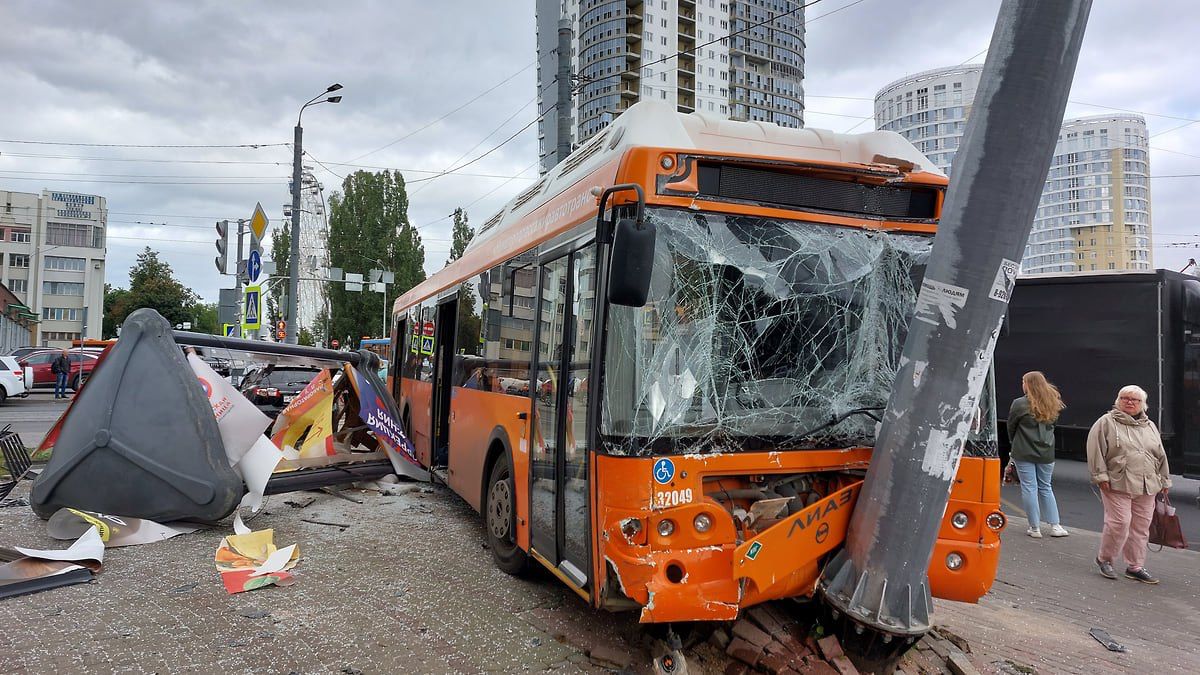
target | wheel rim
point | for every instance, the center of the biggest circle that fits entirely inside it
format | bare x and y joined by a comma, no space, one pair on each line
500,510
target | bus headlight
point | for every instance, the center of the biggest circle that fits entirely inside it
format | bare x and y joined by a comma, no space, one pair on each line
703,522
995,521
959,520
666,527
954,561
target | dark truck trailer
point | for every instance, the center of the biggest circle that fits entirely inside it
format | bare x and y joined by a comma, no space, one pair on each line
1093,333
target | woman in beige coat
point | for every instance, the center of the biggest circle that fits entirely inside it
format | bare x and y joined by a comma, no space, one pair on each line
1127,461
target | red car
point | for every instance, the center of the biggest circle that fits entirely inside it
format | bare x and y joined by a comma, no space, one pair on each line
81,363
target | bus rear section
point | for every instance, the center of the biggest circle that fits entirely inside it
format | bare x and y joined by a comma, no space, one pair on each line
699,452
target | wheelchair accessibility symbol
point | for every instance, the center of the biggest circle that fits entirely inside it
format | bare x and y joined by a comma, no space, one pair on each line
664,471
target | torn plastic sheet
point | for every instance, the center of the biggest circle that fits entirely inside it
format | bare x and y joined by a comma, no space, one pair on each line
759,330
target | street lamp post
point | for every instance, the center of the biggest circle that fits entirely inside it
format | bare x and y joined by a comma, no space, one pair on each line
297,152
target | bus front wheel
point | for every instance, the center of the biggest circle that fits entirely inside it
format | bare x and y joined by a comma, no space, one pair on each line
501,521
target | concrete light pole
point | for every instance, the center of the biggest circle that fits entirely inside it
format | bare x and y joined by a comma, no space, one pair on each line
878,582
297,153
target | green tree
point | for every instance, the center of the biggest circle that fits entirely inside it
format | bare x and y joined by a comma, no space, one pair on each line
152,284
305,337
369,228
115,302
461,235
281,241
468,314
206,318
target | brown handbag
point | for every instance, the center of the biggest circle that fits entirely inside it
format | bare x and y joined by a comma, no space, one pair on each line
1164,525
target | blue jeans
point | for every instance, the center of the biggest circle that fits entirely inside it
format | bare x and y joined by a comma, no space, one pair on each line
1035,488
60,385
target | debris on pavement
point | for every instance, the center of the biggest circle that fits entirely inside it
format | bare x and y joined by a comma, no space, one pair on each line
28,570
250,560
300,501
1105,639
114,531
316,521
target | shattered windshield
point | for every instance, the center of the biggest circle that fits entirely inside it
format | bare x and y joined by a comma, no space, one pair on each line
759,333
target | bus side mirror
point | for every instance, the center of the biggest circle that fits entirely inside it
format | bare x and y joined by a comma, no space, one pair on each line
631,263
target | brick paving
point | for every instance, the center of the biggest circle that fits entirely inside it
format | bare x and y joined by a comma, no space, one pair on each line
1048,594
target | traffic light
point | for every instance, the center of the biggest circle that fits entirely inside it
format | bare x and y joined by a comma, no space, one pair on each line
222,258
281,330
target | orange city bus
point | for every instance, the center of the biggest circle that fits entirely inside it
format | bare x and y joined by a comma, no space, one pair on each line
658,371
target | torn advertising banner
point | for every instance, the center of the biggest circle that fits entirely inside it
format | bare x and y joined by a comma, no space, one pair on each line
309,417
240,422
373,411
114,531
28,570
250,560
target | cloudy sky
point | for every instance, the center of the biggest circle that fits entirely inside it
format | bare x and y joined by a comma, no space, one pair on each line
227,74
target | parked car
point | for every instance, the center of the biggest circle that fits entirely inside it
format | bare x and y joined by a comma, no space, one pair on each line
82,363
15,379
24,351
272,387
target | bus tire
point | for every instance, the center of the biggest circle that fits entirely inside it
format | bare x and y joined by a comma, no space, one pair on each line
500,520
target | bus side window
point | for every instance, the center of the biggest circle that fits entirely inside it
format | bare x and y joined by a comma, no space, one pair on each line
412,353
428,337
470,305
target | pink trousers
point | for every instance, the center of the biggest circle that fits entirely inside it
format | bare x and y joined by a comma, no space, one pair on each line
1126,527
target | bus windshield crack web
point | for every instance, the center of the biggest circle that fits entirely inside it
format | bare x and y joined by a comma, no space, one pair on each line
759,332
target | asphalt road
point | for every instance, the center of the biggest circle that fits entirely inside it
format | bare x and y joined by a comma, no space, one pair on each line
1079,502
32,417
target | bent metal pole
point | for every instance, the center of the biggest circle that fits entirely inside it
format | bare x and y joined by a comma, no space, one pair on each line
879,580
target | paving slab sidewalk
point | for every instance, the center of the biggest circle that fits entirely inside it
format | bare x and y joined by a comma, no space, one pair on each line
1048,594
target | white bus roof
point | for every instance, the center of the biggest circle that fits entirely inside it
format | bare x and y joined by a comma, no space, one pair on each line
657,124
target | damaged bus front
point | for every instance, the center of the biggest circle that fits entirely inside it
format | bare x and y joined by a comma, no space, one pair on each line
740,404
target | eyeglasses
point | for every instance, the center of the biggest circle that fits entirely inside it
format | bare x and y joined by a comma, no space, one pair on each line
1131,400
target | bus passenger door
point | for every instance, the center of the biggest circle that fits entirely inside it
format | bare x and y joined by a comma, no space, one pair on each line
443,365
560,527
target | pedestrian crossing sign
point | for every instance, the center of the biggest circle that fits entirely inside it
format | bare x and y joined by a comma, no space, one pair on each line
229,329
252,311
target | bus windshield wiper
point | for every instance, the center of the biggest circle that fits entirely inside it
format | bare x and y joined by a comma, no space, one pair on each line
836,419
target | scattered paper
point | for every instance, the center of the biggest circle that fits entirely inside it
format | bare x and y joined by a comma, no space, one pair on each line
88,548
250,560
114,531
30,570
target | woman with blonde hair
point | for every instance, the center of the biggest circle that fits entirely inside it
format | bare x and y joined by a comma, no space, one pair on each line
1128,462
1031,434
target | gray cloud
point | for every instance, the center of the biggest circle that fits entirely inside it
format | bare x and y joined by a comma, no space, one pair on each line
218,72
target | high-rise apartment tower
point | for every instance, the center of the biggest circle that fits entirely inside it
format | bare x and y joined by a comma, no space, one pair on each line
1095,208
624,51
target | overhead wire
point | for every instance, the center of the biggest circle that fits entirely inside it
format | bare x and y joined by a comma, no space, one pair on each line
251,146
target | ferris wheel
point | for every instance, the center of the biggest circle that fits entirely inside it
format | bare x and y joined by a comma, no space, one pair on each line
314,252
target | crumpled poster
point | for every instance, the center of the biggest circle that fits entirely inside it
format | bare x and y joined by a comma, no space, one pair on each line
114,531
30,570
250,560
309,416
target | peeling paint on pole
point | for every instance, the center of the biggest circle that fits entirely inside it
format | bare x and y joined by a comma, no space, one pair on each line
879,580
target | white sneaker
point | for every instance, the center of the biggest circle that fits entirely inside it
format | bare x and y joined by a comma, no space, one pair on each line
1057,530
1034,532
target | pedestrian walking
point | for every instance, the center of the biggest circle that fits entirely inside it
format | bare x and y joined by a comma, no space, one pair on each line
1128,462
61,368
1030,426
